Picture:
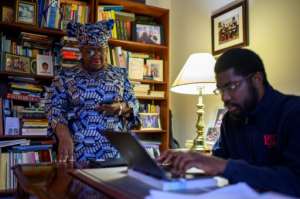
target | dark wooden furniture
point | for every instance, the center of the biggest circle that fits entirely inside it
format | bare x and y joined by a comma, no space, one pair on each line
49,181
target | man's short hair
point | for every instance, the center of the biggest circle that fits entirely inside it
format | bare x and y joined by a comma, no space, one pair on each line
243,61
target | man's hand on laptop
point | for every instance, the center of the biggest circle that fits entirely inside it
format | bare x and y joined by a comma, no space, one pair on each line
180,161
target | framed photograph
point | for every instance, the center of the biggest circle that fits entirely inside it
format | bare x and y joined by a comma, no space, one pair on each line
150,34
220,114
230,28
150,121
212,136
7,14
213,133
155,69
15,63
26,12
44,65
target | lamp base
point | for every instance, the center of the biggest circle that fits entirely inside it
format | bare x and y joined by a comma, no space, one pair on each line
198,144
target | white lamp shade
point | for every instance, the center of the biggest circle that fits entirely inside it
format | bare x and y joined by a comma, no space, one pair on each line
198,71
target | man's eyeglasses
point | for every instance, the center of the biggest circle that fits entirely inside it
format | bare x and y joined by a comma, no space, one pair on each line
232,86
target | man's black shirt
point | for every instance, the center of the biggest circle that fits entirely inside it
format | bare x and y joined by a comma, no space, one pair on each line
264,148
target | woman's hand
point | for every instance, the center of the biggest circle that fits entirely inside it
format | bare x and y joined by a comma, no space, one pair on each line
116,108
65,144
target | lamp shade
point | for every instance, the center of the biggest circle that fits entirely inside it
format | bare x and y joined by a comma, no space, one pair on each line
197,72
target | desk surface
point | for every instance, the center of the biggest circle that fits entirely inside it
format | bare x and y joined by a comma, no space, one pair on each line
59,181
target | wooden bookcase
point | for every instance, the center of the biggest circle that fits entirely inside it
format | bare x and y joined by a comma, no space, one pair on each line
161,16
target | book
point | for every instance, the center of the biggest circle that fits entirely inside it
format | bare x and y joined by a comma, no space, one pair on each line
175,184
6,143
31,148
135,68
12,126
1,117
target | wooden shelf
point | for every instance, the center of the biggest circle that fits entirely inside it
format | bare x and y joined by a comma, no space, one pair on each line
137,8
8,192
16,27
151,98
137,46
148,81
37,77
31,137
150,131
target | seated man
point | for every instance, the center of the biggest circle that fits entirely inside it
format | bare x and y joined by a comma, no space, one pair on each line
259,141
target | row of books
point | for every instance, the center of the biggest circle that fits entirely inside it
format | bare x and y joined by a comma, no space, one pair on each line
56,14
123,20
69,53
144,90
148,108
23,110
140,65
23,154
73,11
32,54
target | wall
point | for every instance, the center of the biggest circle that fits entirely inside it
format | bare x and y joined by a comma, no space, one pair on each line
274,29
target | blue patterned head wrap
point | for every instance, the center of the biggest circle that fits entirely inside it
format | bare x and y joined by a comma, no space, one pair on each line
96,34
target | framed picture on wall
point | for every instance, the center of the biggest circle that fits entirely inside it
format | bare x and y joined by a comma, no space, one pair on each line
229,28
26,12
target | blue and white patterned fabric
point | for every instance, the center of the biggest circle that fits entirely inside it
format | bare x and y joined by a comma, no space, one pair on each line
96,34
72,100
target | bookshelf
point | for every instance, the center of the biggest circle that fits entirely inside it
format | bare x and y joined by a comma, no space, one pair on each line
161,16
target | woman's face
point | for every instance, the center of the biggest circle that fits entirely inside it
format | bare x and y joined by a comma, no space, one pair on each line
94,58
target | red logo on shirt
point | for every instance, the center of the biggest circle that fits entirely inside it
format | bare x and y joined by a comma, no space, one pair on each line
270,140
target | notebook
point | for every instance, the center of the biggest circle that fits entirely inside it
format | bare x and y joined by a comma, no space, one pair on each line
146,169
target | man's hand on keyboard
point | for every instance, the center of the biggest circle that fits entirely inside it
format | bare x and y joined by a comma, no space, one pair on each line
181,161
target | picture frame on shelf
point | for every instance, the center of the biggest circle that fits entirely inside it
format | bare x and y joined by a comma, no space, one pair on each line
213,133
150,121
26,12
44,65
219,117
16,63
229,28
7,14
147,33
155,66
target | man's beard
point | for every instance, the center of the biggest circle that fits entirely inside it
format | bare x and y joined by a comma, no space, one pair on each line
248,106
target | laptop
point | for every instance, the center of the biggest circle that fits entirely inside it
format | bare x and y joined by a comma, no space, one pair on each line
136,155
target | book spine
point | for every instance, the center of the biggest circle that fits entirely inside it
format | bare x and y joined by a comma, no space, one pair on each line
1,118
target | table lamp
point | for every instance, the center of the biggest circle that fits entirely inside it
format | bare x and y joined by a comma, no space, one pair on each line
197,78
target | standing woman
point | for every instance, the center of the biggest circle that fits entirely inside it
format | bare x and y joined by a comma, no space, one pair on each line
90,98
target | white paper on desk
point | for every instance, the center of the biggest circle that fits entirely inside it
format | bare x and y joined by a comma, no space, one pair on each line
272,195
237,191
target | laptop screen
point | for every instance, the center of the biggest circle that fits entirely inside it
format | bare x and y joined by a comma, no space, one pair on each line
135,154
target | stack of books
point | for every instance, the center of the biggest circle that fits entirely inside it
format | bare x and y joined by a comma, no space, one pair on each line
70,53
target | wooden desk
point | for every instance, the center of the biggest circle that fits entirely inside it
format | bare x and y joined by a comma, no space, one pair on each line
58,181
49,181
